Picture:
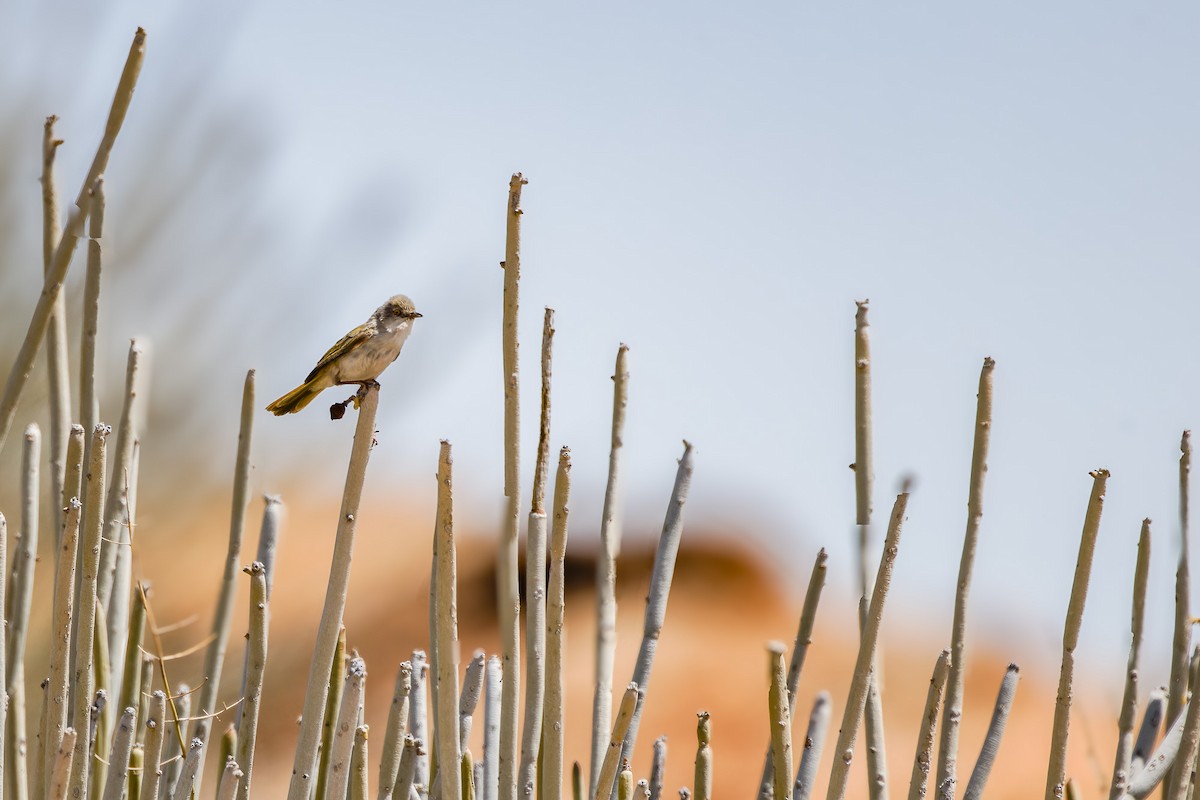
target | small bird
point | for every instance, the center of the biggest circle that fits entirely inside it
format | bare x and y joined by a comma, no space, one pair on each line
358,357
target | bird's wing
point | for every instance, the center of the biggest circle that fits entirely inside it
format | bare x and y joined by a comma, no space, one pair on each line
343,346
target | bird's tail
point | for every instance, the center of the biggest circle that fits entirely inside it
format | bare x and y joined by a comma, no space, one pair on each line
294,400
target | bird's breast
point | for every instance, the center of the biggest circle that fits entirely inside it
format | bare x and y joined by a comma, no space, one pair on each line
369,359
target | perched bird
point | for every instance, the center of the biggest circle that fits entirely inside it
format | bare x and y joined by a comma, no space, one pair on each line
358,357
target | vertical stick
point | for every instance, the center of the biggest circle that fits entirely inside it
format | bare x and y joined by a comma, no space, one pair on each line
343,738
3,637
995,732
155,729
57,688
418,719
606,572
57,273
56,333
922,765
214,657
1123,760
335,600
61,773
1182,640
781,722
446,687
256,664
947,773
1056,774
472,688
857,697
488,789
19,601
703,774
89,406
118,757
814,744
508,602
397,726
612,755
85,622
335,685
552,761
658,767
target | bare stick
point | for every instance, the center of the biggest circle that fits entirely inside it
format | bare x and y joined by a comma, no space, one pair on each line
864,469
660,590
187,776
3,639
814,743
155,729
214,658
552,761
625,784
703,773
61,774
19,601
57,273
808,615
118,759
469,698
509,600
231,781
333,703
612,755
1056,774
922,762
180,705
60,640
857,698
658,767
131,688
781,722
89,406
408,768
1123,759
113,582
1181,642
56,333
256,665
542,464
446,686
606,571
418,719
397,726
487,790
991,742
73,472
358,764
85,621
335,600
268,541
343,738
947,767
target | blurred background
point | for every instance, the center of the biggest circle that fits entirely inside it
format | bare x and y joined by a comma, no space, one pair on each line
714,186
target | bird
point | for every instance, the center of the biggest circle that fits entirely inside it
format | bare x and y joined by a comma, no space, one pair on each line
358,357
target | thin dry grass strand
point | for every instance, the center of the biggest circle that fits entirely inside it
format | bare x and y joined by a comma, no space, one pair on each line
552,728
952,710
335,601
1123,758
256,663
1056,773
660,589
509,599
923,760
780,718
606,572
814,744
57,273
857,696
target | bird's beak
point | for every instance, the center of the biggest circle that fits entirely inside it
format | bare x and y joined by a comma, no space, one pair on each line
415,314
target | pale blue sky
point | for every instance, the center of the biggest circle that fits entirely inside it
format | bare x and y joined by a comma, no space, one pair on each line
716,185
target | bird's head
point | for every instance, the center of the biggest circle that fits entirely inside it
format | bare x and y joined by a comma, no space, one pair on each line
397,308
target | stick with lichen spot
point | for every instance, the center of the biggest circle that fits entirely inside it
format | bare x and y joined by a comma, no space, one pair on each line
612,755
947,767
857,696
814,744
333,702
84,631
995,732
335,600
394,733
256,662
509,599
57,273
155,731
116,563
57,363
1123,759
922,761
214,657
703,773
808,615
606,571
660,590
1056,773
446,681
552,760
